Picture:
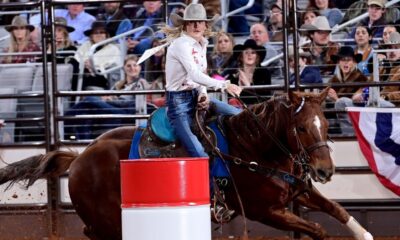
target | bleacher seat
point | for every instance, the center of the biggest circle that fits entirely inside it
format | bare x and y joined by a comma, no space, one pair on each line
18,77
8,108
33,107
64,77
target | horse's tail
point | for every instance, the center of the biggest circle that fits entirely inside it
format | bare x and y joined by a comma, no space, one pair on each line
33,168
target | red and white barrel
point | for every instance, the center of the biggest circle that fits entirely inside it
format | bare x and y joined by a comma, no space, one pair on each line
165,199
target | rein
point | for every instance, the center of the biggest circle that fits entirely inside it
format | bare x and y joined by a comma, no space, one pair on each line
301,185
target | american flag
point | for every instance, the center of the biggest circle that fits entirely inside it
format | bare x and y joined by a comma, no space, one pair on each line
378,134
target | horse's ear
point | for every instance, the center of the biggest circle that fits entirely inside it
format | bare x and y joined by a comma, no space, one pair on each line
294,97
323,94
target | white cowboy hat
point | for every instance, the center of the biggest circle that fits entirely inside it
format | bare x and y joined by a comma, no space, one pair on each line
193,12
320,23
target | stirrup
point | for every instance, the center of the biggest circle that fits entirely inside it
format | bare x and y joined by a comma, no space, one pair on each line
222,214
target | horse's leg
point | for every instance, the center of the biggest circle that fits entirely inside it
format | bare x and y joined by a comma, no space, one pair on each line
316,201
286,220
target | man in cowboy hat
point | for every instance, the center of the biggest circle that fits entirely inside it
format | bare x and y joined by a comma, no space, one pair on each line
321,48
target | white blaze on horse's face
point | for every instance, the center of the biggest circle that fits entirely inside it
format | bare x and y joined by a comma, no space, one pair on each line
317,123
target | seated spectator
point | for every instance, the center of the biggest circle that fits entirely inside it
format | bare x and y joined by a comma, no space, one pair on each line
115,18
259,33
76,17
342,97
389,29
391,72
238,24
321,48
307,17
275,23
308,74
326,8
151,15
392,14
62,41
105,57
223,50
363,41
246,69
155,73
376,18
20,41
124,104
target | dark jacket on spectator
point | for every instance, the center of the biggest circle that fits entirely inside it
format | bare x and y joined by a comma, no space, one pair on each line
308,75
113,23
391,14
324,61
355,76
261,76
376,28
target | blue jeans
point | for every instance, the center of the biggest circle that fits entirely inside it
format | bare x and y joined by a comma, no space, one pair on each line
181,107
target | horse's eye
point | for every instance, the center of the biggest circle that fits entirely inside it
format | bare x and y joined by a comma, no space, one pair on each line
301,129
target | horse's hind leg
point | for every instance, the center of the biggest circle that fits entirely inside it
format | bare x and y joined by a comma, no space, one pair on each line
286,220
316,201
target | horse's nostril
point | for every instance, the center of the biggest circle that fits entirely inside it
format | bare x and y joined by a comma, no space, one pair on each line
322,174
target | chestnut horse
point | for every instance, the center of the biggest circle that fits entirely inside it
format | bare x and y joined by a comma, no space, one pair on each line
276,145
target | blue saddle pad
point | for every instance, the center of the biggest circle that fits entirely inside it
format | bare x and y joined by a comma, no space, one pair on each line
161,127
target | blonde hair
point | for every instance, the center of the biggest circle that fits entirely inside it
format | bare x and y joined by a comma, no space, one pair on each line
67,40
175,32
216,39
13,47
120,84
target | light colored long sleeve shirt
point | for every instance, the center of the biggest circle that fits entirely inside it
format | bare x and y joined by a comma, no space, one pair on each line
186,65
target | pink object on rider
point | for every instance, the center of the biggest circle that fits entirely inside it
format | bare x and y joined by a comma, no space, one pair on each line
218,77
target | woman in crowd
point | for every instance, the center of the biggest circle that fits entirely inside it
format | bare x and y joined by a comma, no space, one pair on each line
105,57
123,104
325,7
363,40
346,72
307,17
20,41
223,50
62,41
245,69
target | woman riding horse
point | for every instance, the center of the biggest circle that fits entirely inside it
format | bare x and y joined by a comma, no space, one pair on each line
275,147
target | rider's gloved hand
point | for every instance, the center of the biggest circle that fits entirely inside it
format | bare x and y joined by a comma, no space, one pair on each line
203,101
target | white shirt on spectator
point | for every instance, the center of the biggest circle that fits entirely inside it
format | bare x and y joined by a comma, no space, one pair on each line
107,57
186,64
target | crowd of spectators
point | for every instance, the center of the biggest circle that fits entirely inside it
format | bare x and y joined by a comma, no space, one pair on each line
237,53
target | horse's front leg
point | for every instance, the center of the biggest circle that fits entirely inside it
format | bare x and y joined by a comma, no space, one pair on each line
286,220
316,201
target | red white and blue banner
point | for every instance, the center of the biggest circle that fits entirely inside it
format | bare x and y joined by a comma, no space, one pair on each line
378,134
